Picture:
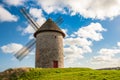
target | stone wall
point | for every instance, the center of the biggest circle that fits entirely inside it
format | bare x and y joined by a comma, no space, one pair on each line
49,48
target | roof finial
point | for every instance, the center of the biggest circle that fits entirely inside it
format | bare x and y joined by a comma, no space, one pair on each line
49,19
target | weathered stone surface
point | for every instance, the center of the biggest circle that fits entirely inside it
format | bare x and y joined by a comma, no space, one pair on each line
49,48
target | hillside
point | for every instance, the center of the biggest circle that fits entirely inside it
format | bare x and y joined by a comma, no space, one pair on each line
59,74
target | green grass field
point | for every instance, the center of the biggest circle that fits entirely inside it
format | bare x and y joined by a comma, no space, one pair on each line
63,74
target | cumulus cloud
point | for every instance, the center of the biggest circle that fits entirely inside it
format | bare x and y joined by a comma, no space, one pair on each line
5,15
52,6
28,30
118,44
65,31
79,44
92,32
109,52
107,56
14,2
96,9
11,48
38,14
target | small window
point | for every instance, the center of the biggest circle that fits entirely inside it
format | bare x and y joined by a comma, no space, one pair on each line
55,36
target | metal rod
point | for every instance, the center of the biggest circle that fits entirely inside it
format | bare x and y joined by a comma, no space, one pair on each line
30,20
25,50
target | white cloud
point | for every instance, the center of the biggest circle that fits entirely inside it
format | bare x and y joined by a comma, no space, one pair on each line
96,9
106,63
118,44
99,9
109,52
11,48
79,44
103,61
107,56
73,53
28,30
15,48
14,2
77,41
91,31
52,6
5,15
31,37
38,14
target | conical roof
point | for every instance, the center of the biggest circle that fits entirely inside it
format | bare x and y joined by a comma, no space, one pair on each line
49,25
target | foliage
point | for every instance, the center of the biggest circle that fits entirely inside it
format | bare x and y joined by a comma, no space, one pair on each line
65,74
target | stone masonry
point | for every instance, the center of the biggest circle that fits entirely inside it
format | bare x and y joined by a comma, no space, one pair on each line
49,47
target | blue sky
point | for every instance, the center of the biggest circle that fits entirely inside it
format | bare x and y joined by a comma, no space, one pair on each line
92,31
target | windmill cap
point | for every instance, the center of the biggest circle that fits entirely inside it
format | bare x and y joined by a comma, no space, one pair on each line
49,26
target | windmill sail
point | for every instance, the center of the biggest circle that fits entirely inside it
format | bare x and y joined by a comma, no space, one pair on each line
30,45
30,20
25,50
59,20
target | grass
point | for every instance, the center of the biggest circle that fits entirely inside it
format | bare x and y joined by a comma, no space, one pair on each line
66,74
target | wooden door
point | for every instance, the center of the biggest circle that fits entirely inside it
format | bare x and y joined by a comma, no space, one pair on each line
55,64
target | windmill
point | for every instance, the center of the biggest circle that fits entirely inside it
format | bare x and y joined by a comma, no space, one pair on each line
49,43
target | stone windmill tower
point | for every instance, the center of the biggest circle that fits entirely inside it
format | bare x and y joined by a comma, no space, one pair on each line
49,44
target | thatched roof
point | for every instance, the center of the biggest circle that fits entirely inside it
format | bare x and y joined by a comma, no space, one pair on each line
49,25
